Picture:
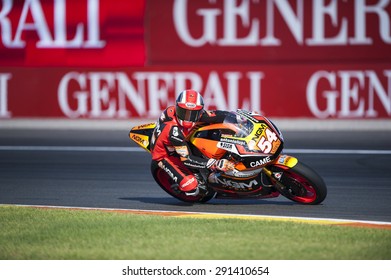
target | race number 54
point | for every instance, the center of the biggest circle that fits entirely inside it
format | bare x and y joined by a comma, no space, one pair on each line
265,144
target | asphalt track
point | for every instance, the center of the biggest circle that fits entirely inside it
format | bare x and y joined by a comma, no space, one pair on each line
102,168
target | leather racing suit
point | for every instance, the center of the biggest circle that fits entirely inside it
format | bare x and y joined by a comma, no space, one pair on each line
171,152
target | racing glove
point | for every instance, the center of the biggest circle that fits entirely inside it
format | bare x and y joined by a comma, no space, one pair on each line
221,165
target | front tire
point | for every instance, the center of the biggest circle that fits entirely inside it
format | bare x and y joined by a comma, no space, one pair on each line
299,183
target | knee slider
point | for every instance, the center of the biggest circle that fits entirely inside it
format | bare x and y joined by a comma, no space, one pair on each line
188,183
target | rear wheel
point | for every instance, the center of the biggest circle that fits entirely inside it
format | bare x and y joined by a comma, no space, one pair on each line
165,183
299,183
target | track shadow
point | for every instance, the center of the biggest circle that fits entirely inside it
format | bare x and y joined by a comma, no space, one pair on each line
176,202
158,200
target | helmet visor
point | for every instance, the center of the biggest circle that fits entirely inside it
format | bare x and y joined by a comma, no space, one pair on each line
188,115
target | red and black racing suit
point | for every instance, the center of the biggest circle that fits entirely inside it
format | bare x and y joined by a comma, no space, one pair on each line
171,152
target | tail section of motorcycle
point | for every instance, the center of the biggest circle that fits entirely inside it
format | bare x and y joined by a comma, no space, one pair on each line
142,135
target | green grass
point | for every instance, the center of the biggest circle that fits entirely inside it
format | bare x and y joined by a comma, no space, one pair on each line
30,233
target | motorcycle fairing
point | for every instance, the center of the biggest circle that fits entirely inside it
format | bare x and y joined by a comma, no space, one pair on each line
251,186
252,140
286,160
205,139
142,134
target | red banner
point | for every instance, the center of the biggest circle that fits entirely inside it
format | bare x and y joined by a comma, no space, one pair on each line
319,91
249,32
86,58
72,33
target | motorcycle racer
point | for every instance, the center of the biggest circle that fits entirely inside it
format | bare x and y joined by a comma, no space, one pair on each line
169,148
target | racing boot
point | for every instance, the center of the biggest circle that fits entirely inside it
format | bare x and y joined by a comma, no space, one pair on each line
175,188
212,178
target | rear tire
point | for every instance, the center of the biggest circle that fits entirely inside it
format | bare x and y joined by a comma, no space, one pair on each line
165,182
300,184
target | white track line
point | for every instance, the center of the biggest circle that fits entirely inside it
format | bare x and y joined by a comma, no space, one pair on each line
70,149
222,215
338,151
137,149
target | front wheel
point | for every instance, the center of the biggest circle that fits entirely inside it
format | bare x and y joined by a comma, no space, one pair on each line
299,183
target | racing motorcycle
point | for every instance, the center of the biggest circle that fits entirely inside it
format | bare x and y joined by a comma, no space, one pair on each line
254,144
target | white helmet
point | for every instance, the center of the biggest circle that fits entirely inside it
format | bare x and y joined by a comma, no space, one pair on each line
189,107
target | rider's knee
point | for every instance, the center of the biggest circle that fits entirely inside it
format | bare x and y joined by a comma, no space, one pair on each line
188,183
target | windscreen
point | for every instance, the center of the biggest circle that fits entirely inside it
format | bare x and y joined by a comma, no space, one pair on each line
243,125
